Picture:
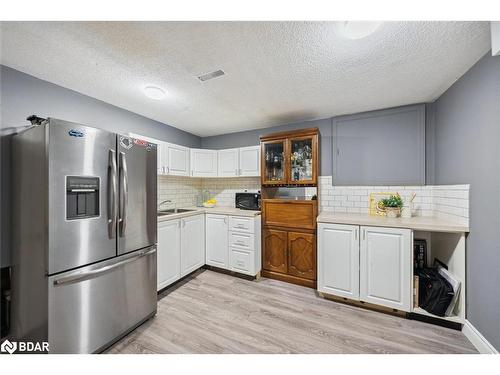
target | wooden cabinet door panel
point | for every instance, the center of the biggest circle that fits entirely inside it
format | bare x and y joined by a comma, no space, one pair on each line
302,255
300,214
275,250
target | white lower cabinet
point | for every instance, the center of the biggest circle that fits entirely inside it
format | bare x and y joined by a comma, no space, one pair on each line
181,248
217,249
385,267
168,260
369,264
338,260
233,243
192,243
189,243
242,261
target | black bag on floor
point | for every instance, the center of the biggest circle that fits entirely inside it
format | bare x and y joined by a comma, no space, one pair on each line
435,292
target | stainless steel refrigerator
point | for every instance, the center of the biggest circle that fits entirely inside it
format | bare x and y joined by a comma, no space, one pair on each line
85,220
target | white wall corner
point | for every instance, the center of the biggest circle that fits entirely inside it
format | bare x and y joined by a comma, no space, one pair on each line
477,339
495,38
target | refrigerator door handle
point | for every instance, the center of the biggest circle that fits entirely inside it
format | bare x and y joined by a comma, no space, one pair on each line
123,194
78,277
112,183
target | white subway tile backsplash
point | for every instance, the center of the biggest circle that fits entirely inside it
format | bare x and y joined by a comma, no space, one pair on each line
450,201
224,189
447,201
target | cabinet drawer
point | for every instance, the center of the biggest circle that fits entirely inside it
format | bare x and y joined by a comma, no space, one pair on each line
243,240
241,261
241,224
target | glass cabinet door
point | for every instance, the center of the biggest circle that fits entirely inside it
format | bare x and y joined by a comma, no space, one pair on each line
302,159
274,169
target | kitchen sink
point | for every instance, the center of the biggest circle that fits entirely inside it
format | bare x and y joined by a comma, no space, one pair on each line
174,211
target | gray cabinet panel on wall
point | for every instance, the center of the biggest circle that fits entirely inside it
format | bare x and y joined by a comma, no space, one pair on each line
385,147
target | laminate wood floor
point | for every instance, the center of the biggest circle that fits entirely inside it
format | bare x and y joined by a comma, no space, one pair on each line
211,312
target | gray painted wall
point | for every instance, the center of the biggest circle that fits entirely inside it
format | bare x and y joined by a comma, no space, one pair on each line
22,95
251,138
384,147
467,138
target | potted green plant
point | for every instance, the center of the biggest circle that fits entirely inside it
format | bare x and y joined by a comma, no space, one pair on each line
392,205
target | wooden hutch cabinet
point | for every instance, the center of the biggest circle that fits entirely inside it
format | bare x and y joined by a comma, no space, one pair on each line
289,225
290,158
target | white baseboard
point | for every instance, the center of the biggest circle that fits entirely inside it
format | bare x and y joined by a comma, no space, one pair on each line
477,339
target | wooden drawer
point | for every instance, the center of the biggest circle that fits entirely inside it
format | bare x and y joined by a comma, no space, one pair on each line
243,240
241,224
241,261
290,213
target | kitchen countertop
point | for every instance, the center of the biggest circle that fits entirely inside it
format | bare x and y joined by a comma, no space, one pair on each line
422,223
215,210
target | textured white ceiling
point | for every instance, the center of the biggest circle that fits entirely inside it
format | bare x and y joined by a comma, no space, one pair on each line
276,72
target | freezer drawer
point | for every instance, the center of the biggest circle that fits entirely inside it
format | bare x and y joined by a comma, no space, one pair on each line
91,307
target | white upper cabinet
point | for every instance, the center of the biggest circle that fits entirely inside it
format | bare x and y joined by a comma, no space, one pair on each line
249,161
228,162
178,160
203,163
338,260
385,267
162,158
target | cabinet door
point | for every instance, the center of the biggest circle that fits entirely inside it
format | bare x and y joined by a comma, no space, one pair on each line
217,241
275,250
303,154
227,162
169,252
203,163
159,159
302,255
338,260
385,267
178,160
274,162
163,158
249,161
192,243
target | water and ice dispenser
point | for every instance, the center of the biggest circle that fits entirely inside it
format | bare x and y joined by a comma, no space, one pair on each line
82,197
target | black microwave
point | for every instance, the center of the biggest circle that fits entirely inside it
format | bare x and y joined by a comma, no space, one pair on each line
247,201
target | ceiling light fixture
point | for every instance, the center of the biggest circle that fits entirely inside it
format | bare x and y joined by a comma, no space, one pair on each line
357,29
154,92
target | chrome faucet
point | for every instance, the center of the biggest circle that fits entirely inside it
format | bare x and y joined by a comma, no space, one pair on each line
163,202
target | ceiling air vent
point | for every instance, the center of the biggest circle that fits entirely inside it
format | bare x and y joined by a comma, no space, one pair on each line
211,75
